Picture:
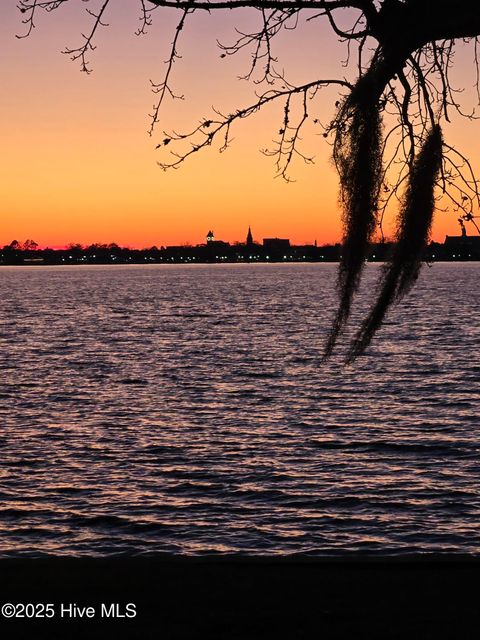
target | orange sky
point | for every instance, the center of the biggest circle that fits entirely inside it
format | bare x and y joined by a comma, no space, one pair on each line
78,166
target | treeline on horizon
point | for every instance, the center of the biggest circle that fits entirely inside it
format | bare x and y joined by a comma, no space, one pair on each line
28,252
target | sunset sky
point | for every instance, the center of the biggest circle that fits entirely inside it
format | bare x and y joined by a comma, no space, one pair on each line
77,164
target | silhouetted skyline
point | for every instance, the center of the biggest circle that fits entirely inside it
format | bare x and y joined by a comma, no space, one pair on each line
454,248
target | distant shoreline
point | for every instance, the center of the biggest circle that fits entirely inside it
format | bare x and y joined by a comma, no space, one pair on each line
454,249
206,263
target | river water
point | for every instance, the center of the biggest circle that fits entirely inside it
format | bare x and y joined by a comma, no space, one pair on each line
185,409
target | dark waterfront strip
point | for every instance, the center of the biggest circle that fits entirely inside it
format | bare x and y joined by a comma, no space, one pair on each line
454,249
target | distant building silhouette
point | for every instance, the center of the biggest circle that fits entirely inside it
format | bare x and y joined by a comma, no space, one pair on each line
213,251
463,247
249,241
276,244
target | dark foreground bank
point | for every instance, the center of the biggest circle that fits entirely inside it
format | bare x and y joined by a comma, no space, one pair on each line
219,598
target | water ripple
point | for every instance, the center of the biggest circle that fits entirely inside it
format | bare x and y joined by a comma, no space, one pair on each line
186,410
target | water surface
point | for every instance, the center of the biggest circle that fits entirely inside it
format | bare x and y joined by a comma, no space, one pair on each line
184,409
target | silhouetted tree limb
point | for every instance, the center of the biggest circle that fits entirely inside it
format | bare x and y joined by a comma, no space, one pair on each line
386,133
415,220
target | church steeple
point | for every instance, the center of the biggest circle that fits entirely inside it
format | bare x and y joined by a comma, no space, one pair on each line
249,237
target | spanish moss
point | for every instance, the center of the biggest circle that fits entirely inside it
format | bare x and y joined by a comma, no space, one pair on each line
358,158
415,221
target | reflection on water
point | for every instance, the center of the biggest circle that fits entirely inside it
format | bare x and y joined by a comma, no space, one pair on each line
185,409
